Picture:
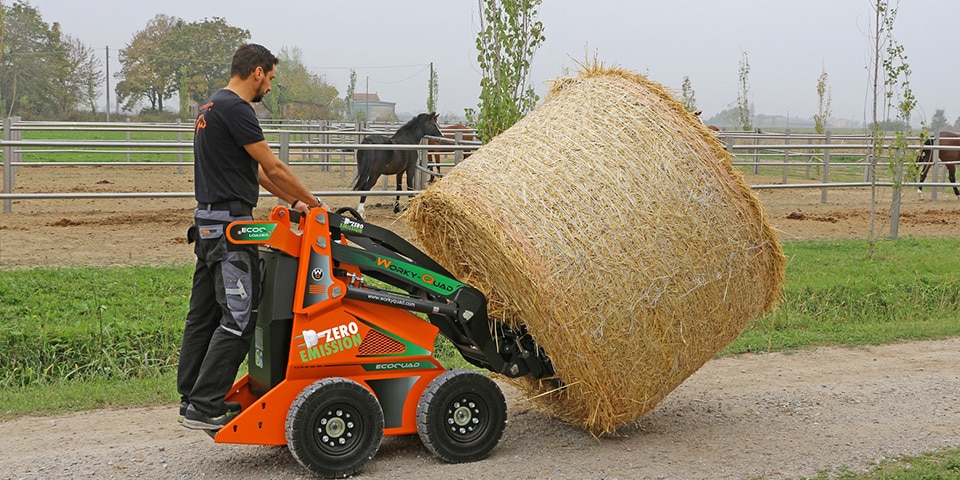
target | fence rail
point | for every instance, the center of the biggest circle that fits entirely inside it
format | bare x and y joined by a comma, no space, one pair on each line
801,160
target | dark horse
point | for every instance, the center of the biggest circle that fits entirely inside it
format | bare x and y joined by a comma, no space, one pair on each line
948,156
467,135
373,163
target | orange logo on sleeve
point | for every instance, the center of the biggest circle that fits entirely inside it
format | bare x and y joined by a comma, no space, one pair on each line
201,120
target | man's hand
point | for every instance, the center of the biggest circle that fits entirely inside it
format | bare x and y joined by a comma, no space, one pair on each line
301,207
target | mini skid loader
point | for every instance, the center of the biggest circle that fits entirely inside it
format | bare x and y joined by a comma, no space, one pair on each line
337,363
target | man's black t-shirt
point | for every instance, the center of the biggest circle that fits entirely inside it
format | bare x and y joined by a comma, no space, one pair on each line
223,170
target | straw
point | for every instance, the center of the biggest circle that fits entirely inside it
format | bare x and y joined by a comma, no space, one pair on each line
611,224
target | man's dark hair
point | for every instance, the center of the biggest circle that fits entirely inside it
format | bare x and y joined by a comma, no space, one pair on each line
250,56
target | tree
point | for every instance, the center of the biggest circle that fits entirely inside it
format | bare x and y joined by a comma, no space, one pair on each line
2,47
82,76
939,121
687,96
301,94
725,118
890,59
823,105
350,112
149,68
744,112
205,51
433,88
43,73
509,36
32,52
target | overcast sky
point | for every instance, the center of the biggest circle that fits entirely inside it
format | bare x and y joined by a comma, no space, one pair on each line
391,43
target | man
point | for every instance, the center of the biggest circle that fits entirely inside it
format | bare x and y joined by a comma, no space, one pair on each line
231,157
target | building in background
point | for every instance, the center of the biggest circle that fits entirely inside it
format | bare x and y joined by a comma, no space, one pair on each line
370,107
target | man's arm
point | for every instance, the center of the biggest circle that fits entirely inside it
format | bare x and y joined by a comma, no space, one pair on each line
278,179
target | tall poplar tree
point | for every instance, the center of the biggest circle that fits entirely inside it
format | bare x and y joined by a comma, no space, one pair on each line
509,36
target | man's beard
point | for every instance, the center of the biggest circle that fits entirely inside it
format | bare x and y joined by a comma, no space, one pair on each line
260,94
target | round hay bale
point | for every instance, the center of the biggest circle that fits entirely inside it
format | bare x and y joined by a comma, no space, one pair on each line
613,225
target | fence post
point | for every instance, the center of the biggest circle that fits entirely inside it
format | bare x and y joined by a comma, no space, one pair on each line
285,147
826,166
7,164
128,140
786,154
756,155
284,154
458,154
179,152
422,159
897,195
16,157
937,171
324,139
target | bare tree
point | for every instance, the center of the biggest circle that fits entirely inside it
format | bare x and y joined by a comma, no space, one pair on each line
823,106
891,95
744,112
687,97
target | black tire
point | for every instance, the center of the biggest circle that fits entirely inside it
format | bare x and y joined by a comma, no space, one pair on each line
461,416
334,427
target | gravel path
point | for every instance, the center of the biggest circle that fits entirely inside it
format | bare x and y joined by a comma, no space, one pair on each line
765,416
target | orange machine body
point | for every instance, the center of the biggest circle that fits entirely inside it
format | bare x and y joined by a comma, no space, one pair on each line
386,349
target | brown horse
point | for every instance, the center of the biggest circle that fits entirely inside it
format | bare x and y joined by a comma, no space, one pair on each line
450,131
948,157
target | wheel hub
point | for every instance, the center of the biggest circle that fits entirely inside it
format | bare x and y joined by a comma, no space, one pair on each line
336,428
464,417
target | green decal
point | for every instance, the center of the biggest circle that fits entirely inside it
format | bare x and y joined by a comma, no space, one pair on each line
329,348
393,366
431,281
350,225
253,232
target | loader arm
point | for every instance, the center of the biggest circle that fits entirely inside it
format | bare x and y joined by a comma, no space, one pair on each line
458,310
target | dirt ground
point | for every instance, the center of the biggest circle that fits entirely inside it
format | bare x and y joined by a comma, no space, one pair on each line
765,416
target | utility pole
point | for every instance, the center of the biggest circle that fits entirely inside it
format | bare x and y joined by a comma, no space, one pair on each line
108,83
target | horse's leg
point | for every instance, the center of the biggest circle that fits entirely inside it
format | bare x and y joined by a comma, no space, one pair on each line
952,172
411,171
923,176
925,159
432,159
396,204
375,171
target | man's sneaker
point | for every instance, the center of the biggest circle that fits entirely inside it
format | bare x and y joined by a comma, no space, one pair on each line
231,407
196,420
183,411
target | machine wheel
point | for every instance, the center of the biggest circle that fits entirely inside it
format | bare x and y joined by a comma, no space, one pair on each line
461,416
334,427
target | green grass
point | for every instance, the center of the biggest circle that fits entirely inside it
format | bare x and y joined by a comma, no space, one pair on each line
943,465
89,324
103,154
835,295
61,329
71,396
76,339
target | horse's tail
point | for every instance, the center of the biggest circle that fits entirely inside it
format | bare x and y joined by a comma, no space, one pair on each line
365,159
926,152
924,158
363,167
